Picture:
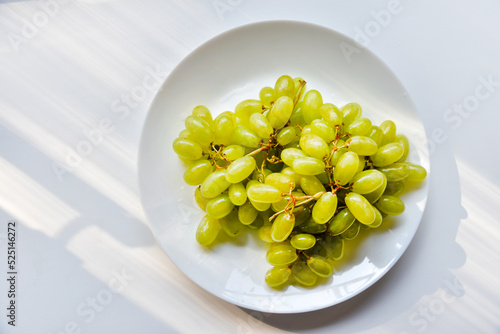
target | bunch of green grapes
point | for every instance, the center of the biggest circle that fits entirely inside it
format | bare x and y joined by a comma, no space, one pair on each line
304,173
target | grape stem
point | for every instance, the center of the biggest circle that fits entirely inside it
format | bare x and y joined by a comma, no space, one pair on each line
293,200
302,85
218,153
263,148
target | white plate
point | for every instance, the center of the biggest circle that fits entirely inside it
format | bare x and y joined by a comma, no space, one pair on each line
234,66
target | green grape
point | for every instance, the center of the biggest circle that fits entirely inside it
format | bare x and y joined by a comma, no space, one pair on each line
281,182
187,149
280,112
353,231
308,166
303,241
237,193
251,183
260,206
320,266
403,140
200,130
361,164
341,222
310,185
219,206
331,114
267,96
396,172
323,177
321,128
240,169
317,249
350,112
278,275
303,274
246,108
305,130
394,188
200,199
223,128
310,226
300,85
387,154
302,216
334,246
233,152
185,134
204,113
346,168
296,118
214,184
361,209
245,137
378,219
281,254
263,193
288,155
231,114
367,181
361,145
375,195
242,122
207,230
417,173
284,86
292,174
286,135
388,132
264,233
282,226
314,145
390,205
359,127
311,105
376,135
283,203
261,126
257,223
231,225
197,172
337,154
324,208
260,175
247,213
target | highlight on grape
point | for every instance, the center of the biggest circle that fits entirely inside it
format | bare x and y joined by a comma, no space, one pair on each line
303,173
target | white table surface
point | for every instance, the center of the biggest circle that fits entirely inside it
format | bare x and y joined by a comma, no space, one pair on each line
76,81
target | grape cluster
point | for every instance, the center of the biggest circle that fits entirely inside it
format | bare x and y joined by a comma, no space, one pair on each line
304,173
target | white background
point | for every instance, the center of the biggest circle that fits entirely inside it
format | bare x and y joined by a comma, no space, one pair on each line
76,80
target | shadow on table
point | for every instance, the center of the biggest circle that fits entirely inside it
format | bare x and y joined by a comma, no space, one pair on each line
92,304
424,269
60,231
